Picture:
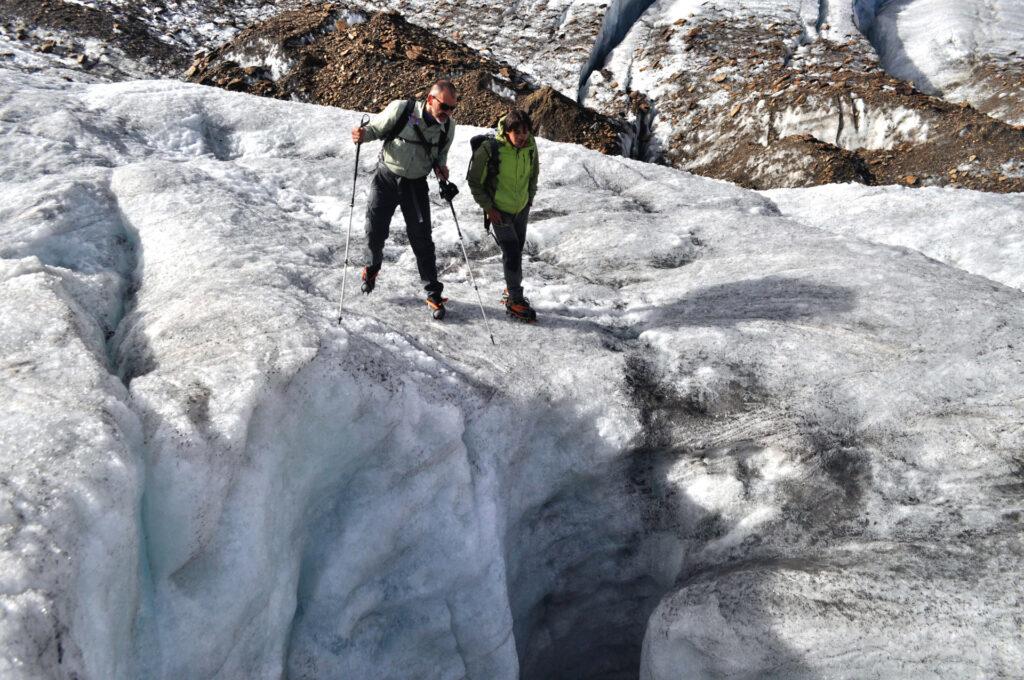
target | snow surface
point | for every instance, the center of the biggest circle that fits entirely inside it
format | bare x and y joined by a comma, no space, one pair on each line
978,232
736,443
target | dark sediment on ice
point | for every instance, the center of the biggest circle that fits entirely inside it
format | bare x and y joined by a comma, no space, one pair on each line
747,104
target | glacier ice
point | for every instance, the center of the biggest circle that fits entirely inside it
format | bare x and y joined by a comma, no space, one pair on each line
737,443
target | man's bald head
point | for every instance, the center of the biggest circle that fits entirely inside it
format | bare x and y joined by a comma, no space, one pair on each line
444,87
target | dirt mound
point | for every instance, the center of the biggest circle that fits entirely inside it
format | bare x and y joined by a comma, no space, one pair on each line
555,116
887,131
965,149
739,97
332,55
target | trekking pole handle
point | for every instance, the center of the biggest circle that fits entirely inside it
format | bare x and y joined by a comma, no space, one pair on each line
448,190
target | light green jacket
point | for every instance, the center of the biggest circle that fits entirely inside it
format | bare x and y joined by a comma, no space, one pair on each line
405,156
518,171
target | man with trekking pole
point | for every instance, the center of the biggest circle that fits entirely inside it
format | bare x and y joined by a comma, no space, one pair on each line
417,136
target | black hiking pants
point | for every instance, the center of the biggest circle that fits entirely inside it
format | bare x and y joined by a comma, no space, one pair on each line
511,237
387,192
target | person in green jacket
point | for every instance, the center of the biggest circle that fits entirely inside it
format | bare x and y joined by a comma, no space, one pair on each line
503,178
417,136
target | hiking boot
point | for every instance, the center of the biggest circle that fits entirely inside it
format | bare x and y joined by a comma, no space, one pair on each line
436,304
369,280
520,309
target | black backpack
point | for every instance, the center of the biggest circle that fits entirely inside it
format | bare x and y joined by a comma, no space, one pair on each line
491,180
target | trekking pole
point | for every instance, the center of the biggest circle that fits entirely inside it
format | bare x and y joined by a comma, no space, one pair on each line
487,228
351,209
448,192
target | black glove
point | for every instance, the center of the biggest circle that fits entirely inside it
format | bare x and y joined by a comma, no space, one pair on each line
448,190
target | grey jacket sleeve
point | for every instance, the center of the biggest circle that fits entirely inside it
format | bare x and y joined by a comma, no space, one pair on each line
383,121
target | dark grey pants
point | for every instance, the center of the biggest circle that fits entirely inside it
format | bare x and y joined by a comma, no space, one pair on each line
511,237
387,192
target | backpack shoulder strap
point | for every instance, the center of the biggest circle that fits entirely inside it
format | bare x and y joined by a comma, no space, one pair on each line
433,148
493,165
423,138
402,121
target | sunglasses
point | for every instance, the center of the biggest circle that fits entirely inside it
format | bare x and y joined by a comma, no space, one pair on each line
444,106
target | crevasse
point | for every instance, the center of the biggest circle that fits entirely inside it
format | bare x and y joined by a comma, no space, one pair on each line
618,20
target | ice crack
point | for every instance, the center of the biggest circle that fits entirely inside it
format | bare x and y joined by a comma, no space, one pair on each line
618,20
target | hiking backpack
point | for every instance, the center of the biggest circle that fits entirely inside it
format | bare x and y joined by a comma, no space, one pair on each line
491,180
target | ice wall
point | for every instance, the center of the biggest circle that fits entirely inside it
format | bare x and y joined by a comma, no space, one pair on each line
963,52
864,12
618,20
71,475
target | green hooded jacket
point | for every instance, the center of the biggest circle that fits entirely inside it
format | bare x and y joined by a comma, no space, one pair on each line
518,171
405,155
